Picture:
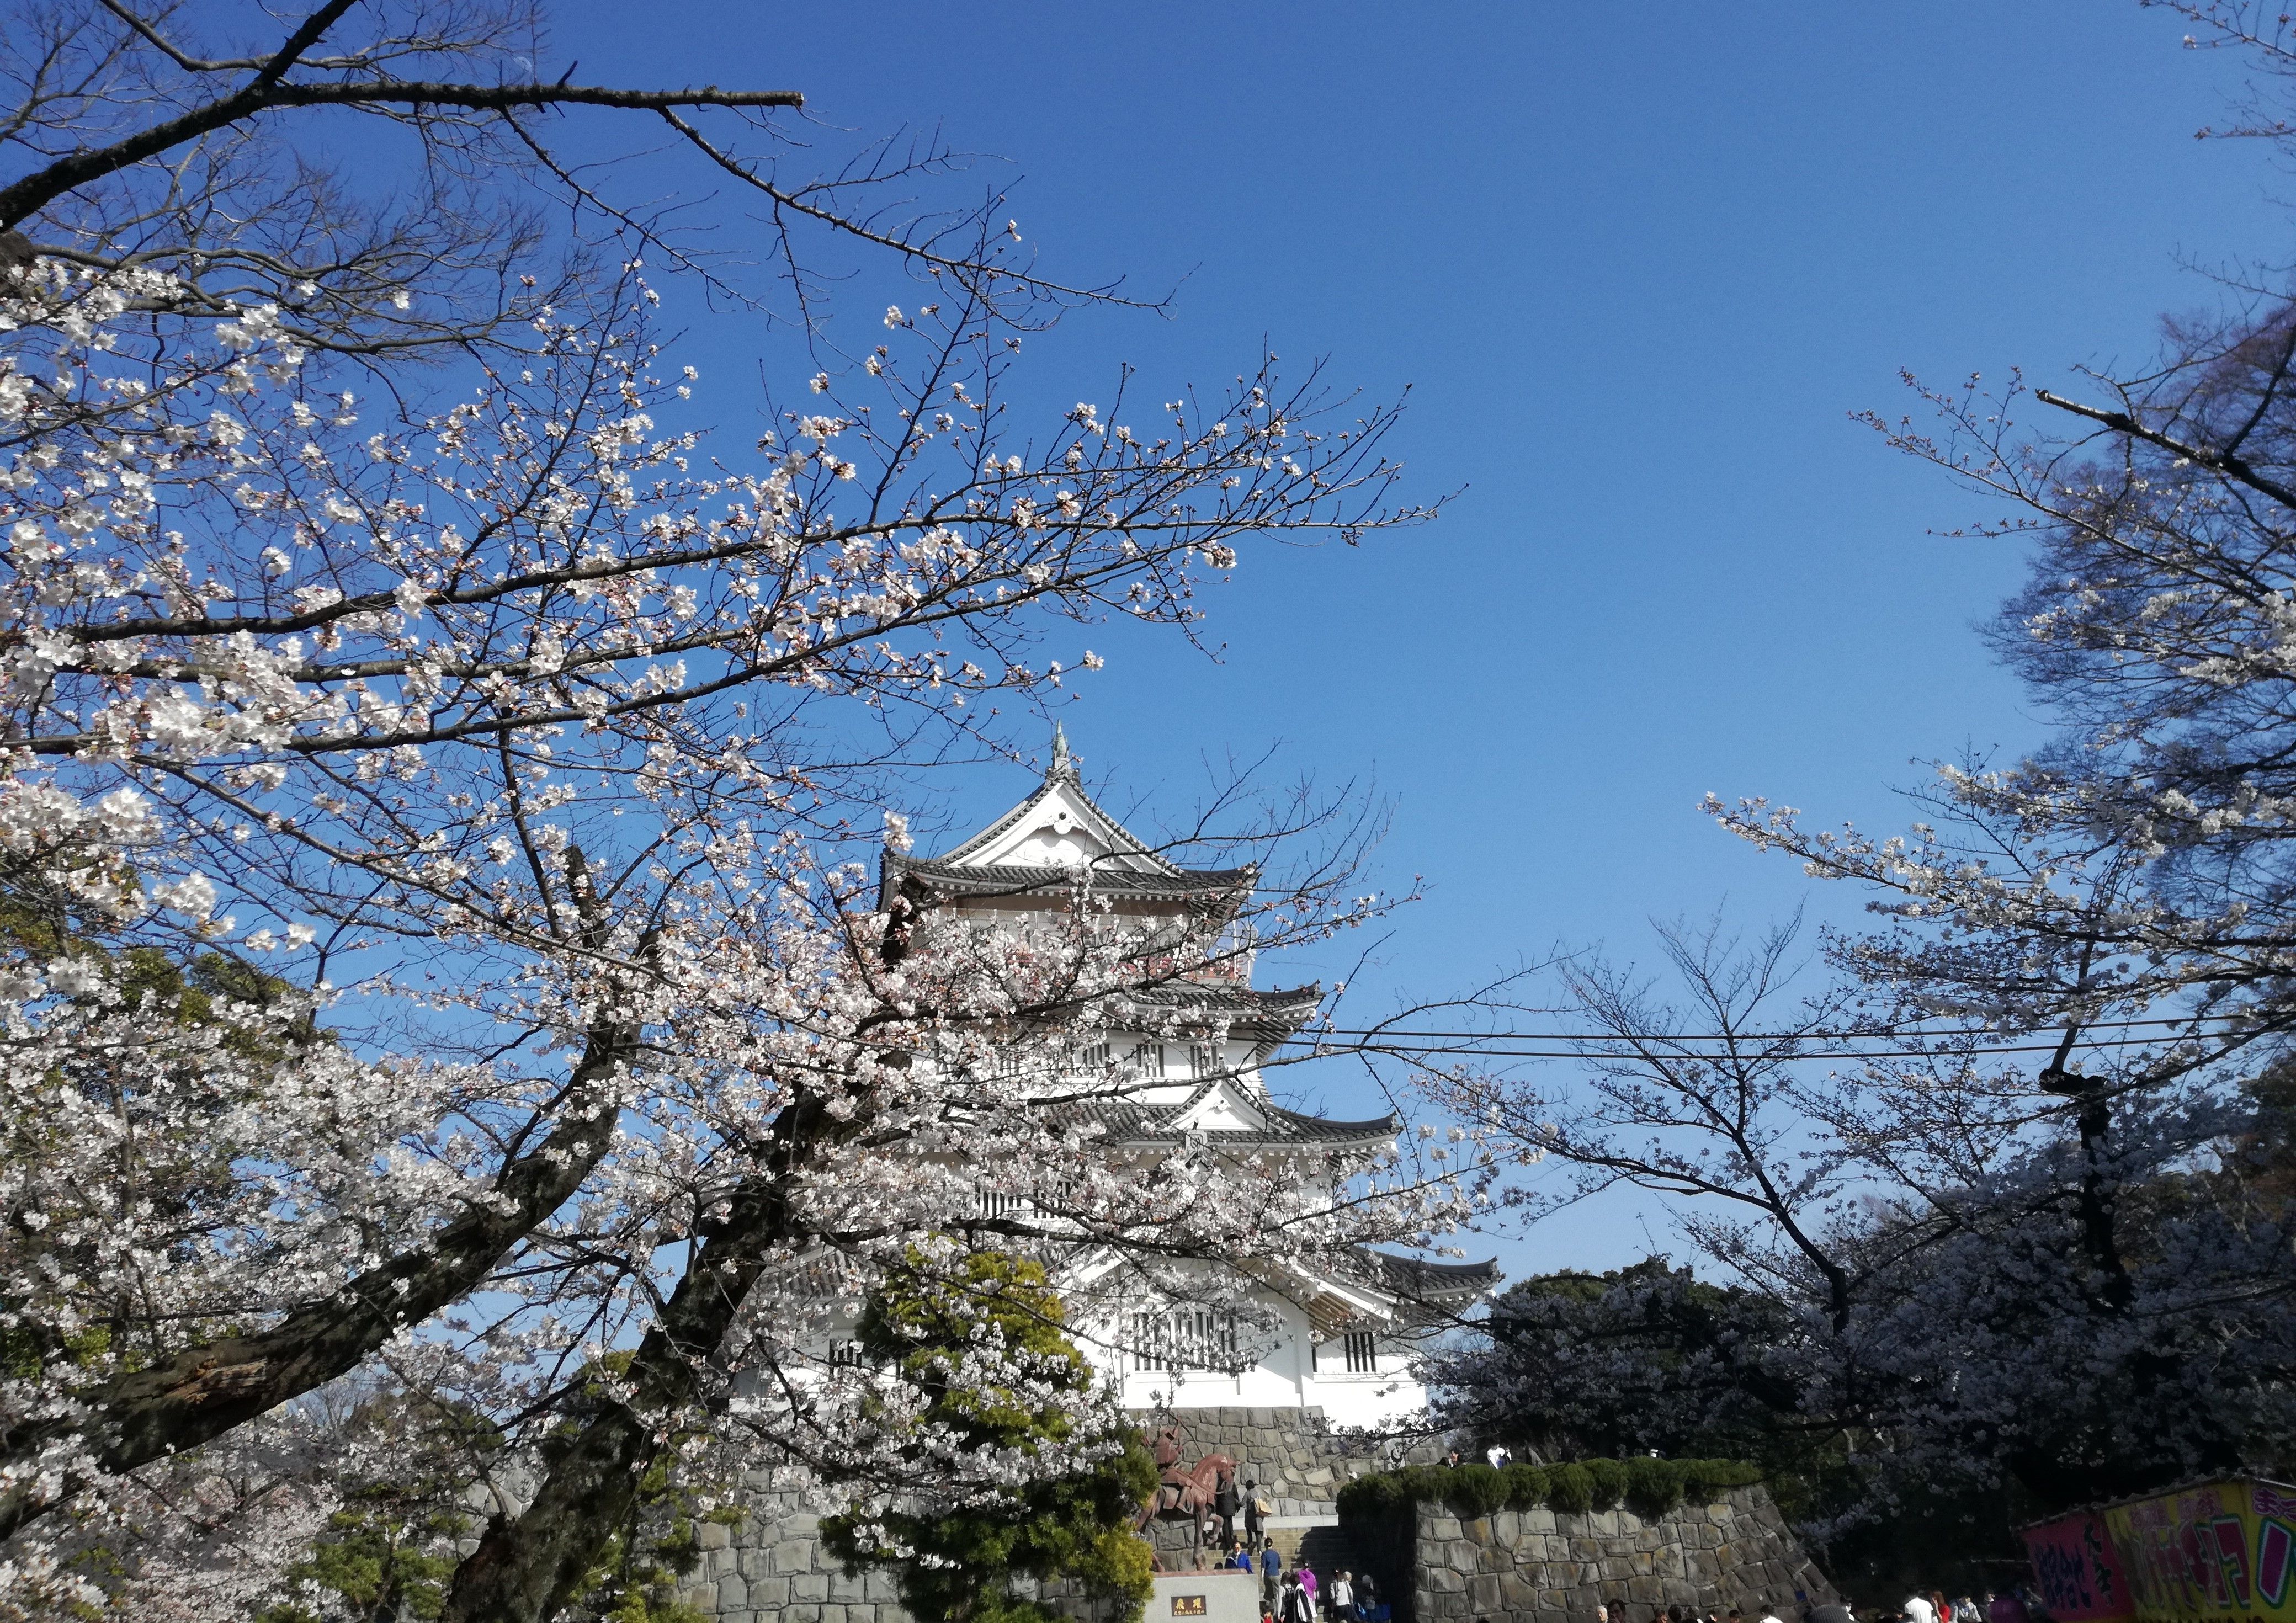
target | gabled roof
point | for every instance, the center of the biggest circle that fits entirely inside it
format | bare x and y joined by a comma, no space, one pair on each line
1055,836
1228,1117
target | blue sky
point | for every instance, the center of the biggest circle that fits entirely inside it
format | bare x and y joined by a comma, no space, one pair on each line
1637,266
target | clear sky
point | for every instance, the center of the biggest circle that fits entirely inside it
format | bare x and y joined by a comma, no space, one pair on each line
1637,266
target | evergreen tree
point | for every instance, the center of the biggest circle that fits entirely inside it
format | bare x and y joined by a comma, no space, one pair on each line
957,1559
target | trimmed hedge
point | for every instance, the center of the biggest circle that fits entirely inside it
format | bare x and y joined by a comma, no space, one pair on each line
1648,1487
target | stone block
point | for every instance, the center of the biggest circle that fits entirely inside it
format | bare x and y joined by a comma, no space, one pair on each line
1483,1594
806,1613
713,1535
1444,1580
794,1555
1538,1520
769,1592
843,1589
810,1586
732,1594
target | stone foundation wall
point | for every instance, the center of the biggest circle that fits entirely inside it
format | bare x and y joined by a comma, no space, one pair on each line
1298,1461
1545,1566
771,1568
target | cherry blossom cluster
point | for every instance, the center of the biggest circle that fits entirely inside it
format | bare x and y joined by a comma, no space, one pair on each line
437,984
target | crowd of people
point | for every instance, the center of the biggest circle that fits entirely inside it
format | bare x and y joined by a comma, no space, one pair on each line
1764,1613
1295,1595
2003,1606
1993,1606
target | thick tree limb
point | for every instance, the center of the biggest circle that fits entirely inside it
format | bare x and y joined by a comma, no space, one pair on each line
2230,464
526,1568
25,197
204,1391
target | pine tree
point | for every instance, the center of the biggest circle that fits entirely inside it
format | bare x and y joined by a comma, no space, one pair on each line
937,1325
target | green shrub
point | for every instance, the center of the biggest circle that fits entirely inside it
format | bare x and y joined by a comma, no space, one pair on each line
1703,1481
1426,1484
1610,1479
1571,1488
1654,1487
1475,1490
1649,1486
1526,1487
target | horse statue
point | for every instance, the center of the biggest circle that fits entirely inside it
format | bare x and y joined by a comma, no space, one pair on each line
1185,1493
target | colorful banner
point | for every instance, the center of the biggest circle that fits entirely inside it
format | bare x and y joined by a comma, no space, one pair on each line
2077,1571
2221,1552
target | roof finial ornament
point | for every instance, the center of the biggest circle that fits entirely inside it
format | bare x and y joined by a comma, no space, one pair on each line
1063,764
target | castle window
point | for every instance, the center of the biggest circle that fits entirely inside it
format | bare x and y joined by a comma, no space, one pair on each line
1186,1338
999,1203
1362,1349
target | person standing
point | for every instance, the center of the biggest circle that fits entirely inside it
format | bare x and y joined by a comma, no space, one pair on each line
1271,1571
1343,1599
1295,1607
1255,1512
1226,1504
1918,1609
1309,1584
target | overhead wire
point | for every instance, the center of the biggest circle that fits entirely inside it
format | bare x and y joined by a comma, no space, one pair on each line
1942,1041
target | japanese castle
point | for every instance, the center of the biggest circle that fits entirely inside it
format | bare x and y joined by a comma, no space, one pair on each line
1344,1346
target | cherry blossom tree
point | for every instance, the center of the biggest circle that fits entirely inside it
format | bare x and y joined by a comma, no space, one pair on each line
2009,1154
437,970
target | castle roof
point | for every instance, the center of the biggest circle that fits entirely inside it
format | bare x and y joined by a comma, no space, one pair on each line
1057,836
1415,1279
1060,836
1221,1115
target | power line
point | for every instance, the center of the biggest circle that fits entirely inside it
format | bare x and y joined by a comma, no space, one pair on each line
1421,1044
1760,1036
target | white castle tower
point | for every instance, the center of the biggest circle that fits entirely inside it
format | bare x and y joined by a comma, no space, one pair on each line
1345,1345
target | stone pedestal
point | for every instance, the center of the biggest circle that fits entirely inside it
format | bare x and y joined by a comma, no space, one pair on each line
1205,1597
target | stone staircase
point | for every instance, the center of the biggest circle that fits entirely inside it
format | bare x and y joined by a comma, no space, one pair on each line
1326,1550
1323,1550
